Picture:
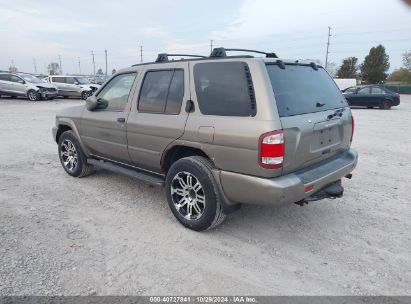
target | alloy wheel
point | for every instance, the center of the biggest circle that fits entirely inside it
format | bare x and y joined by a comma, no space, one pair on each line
32,96
69,155
188,195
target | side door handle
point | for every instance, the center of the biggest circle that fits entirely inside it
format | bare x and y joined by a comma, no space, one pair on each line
121,120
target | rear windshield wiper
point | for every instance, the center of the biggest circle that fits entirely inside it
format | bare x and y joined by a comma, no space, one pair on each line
319,105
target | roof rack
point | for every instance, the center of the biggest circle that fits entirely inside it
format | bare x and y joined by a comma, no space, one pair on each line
163,57
221,52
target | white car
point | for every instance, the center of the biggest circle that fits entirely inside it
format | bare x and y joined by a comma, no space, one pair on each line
26,85
73,86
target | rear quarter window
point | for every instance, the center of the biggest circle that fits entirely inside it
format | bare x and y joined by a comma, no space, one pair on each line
300,89
224,89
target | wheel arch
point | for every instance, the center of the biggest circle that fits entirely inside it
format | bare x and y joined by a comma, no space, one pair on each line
178,151
65,124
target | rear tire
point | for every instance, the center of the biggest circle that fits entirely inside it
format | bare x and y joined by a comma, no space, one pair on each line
193,194
33,95
385,105
72,157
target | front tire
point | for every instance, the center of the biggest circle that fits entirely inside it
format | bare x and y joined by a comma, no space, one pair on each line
193,194
33,95
72,157
85,95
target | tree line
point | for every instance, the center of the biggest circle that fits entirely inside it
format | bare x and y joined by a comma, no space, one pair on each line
375,66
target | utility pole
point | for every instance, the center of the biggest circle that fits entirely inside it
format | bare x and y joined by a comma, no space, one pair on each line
35,66
61,68
211,46
141,54
105,51
328,46
94,64
79,65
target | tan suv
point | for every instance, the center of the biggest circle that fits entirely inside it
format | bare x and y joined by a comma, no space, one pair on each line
216,132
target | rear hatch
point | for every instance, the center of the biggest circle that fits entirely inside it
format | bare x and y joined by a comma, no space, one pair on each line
314,114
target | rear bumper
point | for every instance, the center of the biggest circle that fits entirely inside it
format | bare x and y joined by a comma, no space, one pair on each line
290,188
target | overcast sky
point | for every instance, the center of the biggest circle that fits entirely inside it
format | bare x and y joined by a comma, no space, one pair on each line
292,28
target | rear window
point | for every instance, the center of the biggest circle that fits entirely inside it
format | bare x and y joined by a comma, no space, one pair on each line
224,89
299,89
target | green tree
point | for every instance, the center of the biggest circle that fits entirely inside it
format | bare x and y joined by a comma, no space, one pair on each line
100,72
375,65
348,68
401,75
406,59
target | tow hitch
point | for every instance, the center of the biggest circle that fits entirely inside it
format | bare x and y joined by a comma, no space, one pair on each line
331,191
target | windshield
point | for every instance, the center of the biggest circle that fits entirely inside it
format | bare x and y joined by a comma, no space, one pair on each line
300,89
30,78
82,80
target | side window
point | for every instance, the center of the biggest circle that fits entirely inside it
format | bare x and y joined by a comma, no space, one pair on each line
225,89
162,92
116,92
376,90
59,79
365,90
70,80
5,77
15,79
350,90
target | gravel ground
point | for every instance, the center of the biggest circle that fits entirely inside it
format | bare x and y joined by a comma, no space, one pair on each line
111,235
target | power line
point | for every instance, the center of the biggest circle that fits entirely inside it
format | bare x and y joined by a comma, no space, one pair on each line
105,51
79,65
328,45
94,64
61,67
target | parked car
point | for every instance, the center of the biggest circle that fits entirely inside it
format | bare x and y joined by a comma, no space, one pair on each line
73,86
216,132
26,85
371,96
99,79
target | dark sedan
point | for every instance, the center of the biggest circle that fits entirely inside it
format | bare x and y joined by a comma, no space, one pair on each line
371,96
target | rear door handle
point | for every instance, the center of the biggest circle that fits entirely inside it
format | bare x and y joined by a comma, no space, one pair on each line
121,120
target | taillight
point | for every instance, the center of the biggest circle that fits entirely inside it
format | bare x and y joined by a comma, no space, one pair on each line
271,150
352,127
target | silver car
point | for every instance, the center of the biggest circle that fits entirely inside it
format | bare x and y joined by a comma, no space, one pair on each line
26,85
73,86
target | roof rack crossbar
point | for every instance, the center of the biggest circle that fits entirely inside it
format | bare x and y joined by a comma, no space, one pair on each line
163,57
221,52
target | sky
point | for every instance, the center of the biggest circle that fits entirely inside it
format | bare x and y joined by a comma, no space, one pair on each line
35,33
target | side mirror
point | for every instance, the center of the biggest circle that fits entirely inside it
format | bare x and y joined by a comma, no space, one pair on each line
21,81
92,103
76,82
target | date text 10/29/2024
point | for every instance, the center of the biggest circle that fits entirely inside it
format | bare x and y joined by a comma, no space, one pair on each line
202,299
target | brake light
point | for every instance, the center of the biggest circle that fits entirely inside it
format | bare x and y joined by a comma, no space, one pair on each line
352,127
271,150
